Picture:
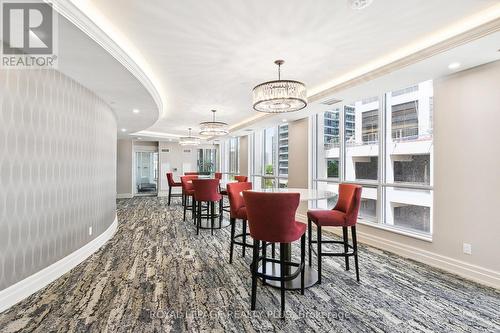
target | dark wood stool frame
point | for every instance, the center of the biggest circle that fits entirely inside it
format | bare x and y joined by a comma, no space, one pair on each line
346,254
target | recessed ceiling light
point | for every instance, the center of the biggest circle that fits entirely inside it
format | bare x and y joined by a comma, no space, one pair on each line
136,111
283,120
360,4
124,129
454,65
139,138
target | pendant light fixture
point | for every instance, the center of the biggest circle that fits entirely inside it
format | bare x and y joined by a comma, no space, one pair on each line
189,140
213,128
280,95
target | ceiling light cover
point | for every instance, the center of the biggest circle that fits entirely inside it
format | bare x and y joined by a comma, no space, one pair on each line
279,96
189,140
214,128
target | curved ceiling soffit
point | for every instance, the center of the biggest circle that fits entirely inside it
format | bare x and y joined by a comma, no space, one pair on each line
85,19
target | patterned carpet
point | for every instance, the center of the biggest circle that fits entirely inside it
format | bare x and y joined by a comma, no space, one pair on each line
156,275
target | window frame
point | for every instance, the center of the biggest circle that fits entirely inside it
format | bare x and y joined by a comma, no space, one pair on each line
381,183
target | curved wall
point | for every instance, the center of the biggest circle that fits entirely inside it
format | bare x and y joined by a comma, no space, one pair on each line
57,170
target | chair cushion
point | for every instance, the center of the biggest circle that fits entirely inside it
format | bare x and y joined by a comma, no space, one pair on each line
332,218
241,213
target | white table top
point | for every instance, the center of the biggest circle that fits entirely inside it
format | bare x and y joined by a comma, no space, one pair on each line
306,194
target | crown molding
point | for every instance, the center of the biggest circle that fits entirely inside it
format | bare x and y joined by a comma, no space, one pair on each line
72,13
448,44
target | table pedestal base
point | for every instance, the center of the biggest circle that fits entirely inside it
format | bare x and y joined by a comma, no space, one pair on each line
310,277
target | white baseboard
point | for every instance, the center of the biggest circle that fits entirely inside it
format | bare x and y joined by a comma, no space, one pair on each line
468,271
124,196
24,288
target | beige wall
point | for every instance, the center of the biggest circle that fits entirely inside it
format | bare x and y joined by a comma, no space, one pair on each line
124,151
298,153
467,165
244,155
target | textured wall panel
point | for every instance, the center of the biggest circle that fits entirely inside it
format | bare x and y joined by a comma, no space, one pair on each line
57,170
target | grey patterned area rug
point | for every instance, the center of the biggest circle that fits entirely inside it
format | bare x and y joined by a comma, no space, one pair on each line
156,275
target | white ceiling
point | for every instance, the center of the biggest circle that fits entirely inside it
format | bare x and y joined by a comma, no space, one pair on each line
210,54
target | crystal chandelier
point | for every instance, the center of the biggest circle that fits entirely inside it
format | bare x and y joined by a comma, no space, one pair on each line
213,128
189,140
279,96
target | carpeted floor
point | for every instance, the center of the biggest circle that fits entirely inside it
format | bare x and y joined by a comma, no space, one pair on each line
156,275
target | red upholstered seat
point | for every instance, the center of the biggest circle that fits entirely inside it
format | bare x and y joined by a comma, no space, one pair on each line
206,190
218,175
345,212
271,216
187,188
333,218
236,203
170,180
241,213
241,179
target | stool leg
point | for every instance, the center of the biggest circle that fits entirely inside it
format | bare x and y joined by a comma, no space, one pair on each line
318,232
198,219
355,247
221,216
264,263
169,194
233,222
255,262
282,275
302,261
185,206
309,236
346,247
192,207
212,208
244,237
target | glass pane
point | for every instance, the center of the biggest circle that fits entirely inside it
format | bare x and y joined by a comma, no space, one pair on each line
283,150
268,182
368,210
328,147
282,183
327,203
234,145
409,209
269,150
409,134
361,138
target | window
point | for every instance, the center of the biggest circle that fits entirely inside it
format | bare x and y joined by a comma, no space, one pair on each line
361,139
233,149
207,160
270,157
370,126
405,120
385,144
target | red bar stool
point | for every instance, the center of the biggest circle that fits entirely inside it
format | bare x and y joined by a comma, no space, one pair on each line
218,175
172,183
187,192
345,215
238,211
241,179
271,217
206,190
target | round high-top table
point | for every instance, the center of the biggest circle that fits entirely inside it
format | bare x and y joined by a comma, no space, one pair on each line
310,274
